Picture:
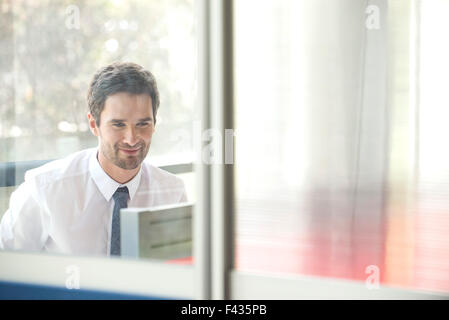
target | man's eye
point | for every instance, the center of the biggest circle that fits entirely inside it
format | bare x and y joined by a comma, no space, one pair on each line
142,124
118,124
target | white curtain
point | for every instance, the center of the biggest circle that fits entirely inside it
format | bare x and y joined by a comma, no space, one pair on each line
330,113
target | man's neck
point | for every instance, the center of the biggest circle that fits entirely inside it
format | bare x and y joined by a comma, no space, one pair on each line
118,174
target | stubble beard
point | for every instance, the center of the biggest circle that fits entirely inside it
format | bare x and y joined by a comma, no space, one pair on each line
122,160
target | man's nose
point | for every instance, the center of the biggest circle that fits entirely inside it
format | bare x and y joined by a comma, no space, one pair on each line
130,137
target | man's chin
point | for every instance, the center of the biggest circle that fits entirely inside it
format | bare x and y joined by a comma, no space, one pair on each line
128,161
128,164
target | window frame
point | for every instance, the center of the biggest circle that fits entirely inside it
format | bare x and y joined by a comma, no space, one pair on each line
213,275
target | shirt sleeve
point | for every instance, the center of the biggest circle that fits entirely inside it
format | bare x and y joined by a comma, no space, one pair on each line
24,225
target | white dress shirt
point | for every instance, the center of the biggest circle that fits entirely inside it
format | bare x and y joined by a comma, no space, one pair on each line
65,206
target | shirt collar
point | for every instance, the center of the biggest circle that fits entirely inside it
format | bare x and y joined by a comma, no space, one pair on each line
105,183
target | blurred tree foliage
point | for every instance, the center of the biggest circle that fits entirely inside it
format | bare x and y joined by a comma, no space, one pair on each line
47,61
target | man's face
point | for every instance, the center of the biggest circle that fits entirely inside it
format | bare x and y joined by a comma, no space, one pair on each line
126,128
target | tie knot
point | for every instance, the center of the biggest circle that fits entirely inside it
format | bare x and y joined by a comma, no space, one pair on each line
121,193
122,189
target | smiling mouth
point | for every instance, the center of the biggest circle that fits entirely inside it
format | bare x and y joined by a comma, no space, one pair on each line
130,151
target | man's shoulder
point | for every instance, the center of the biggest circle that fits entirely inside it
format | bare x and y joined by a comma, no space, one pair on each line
162,176
72,165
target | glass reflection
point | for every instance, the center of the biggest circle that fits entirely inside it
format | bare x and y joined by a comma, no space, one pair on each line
344,173
50,52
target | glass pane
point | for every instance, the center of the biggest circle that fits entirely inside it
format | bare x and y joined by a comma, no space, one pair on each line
339,174
49,52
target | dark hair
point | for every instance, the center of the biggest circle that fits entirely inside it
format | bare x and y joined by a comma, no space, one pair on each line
120,77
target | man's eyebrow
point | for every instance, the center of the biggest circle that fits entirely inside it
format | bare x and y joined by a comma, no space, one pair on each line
123,120
145,119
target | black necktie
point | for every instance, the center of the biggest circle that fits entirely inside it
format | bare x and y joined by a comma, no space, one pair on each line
121,201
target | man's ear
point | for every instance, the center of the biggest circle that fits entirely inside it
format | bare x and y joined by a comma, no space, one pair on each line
92,124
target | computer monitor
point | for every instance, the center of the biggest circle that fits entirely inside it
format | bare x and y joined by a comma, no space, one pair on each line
162,232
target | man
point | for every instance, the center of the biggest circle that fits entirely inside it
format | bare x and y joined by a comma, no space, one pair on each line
72,205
